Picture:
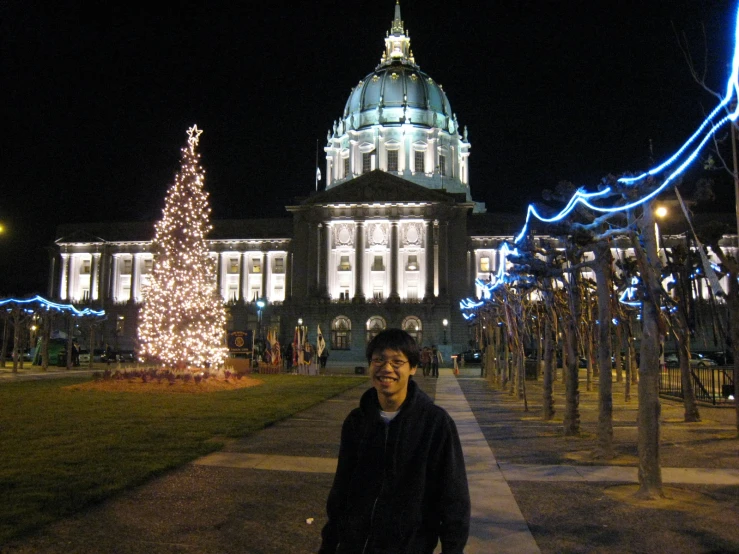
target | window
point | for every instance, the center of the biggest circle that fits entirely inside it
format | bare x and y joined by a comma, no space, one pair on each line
148,265
279,265
85,295
233,265
255,294
375,324
392,160
366,162
344,295
378,265
85,270
120,325
412,262
344,264
256,265
412,326
412,293
126,267
420,158
341,333
233,293
377,293
442,164
485,264
347,167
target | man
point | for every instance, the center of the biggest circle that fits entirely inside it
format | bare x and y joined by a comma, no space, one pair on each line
436,359
400,483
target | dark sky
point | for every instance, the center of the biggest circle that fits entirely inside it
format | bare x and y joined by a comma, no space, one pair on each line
95,101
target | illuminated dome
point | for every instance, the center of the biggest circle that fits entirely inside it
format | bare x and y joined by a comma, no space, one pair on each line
399,120
398,88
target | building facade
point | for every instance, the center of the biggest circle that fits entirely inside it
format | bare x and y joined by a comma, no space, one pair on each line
394,240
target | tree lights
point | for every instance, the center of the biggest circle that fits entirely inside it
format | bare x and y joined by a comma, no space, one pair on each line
183,318
682,159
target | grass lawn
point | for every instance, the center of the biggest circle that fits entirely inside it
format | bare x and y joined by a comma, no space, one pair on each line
62,450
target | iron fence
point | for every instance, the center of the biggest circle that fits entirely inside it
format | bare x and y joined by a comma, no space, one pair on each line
711,384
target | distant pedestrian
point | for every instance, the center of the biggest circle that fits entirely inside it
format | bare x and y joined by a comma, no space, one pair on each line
323,358
436,359
426,361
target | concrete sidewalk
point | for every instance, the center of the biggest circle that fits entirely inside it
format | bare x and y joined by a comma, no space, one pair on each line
266,493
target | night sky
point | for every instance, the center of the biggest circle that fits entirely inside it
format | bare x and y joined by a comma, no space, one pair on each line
96,101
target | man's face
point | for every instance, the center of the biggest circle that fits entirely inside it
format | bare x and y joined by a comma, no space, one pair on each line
390,372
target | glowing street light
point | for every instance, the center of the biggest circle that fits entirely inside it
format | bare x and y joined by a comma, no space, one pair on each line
445,322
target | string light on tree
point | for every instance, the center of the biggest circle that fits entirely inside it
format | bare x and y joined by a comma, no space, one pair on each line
683,157
183,318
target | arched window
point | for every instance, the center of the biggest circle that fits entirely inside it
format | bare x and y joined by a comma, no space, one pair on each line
412,326
341,333
375,324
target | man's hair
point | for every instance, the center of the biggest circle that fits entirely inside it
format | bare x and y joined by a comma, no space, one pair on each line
395,339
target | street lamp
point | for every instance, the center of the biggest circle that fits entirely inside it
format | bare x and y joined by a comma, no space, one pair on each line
445,323
300,321
260,306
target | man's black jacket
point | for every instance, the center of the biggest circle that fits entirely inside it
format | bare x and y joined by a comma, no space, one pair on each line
401,486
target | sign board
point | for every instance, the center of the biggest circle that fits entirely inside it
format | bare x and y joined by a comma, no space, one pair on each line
241,341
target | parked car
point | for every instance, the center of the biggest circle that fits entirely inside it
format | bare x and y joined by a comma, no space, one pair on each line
126,356
471,356
84,356
696,360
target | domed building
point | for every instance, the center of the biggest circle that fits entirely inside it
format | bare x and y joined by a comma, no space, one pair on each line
399,120
394,240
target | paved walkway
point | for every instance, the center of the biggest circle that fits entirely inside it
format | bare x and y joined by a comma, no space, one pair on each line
266,493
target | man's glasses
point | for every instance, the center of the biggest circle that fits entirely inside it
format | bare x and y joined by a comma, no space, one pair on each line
395,364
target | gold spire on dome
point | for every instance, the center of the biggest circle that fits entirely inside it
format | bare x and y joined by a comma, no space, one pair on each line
397,42
396,27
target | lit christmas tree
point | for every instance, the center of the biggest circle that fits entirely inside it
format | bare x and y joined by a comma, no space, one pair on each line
183,319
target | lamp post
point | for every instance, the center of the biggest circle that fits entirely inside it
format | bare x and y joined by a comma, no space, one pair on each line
260,306
300,321
445,322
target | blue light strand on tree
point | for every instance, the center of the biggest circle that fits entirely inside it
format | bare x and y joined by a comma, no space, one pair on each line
583,197
53,305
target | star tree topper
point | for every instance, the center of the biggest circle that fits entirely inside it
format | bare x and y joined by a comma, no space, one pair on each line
194,134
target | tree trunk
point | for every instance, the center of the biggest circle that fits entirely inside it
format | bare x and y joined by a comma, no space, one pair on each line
6,333
682,337
617,354
70,339
650,472
16,338
46,337
605,382
548,377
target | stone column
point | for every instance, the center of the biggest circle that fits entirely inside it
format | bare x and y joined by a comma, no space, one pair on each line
288,274
312,270
243,279
219,275
429,294
324,250
134,278
114,278
394,269
64,278
52,269
95,277
444,259
265,274
359,264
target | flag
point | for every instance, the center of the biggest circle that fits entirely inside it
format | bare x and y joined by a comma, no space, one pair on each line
320,343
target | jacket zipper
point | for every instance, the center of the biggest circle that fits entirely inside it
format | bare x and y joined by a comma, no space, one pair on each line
382,486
